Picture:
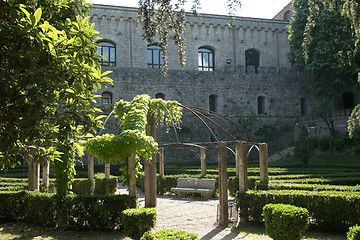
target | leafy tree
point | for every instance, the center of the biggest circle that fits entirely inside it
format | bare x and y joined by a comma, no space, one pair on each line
329,54
302,148
49,72
349,9
135,119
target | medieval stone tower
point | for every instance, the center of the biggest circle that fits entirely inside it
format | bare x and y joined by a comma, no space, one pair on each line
239,70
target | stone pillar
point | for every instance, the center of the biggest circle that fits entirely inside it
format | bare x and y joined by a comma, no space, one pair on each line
150,170
132,174
203,161
161,162
223,191
107,170
241,159
91,173
263,157
45,174
36,176
31,176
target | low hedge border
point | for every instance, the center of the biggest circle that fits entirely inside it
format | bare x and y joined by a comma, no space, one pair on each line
330,210
80,212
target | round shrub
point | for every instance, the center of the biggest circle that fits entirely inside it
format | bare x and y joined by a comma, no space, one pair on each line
283,221
170,234
137,221
353,233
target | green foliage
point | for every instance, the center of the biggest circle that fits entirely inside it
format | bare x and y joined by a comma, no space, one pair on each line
169,234
49,74
81,186
105,186
137,221
135,120
353,233
303,148
12,206
330,50
283,221
82,212
102,186
330,210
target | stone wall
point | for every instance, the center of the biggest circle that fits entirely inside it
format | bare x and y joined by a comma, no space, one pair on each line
236,90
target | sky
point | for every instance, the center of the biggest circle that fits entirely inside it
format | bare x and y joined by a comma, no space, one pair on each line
250,8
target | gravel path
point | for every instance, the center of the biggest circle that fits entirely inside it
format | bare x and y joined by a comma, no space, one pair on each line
194,215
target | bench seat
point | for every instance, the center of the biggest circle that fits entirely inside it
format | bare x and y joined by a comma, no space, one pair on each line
203,186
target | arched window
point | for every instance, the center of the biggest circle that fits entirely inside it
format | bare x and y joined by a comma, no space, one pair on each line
348,100
107,100
160,95
287,15
206,59
213,103
252,59
154,55
261,105
108,51
304,106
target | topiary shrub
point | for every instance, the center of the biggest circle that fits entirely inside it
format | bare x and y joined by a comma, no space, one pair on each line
283,221
81,186
137,221
353,233
105,185
170,234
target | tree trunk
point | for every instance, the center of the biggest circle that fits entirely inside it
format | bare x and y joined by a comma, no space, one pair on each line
332,137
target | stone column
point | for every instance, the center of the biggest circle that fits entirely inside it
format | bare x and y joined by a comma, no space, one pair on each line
150,170
241,159
263,156
36,176
91,173
31,176
45,174
223,191
161,162
132,174
203,161
107,170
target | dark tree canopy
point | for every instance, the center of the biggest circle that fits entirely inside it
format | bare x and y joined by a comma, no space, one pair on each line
49,73
349,9
330,52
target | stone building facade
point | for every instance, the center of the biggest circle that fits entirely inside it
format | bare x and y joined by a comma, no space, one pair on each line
240,71
286,13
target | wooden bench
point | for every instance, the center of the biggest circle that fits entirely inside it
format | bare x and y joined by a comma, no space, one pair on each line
203,186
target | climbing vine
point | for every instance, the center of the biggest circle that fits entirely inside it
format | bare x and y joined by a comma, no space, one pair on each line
134,119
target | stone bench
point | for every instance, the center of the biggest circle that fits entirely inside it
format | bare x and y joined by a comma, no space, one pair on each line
194,185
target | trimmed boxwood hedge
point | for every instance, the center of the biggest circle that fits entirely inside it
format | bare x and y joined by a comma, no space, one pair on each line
83,212
284,221
169,234
137,221
330,210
